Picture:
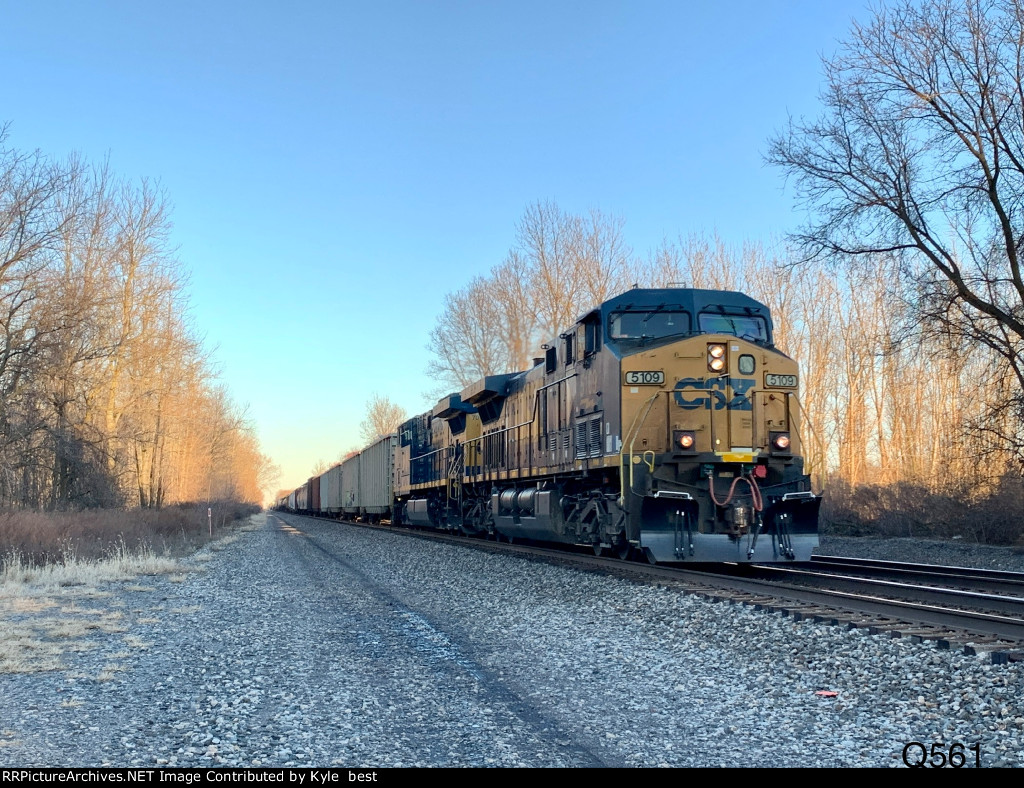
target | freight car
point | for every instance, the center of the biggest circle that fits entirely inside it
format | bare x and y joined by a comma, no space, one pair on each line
664,424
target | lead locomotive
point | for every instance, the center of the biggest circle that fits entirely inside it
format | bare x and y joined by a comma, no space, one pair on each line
663,424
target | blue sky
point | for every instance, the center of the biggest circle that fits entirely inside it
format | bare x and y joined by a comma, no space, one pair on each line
337,167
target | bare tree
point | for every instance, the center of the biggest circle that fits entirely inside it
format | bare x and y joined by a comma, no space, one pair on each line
105,394
551,242
700,261
560,265
382,418
920,155
517,318
467,342
31,225
77,291
603,258
149,339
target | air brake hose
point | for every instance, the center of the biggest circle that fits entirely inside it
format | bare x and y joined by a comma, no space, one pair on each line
755,491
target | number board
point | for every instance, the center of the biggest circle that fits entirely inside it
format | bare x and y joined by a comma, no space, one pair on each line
645,378
780,381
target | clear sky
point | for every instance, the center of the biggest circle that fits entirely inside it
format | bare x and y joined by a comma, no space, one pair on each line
337,166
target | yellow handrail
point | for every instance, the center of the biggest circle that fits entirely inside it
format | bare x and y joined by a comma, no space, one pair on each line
635,433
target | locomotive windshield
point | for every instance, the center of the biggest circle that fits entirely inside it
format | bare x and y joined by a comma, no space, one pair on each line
649,324
752,327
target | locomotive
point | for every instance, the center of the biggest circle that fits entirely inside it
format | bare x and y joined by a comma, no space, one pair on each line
663,425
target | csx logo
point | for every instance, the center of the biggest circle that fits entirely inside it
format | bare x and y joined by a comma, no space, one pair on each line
716,397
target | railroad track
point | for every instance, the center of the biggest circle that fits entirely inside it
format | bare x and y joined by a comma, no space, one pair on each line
928,603
977,622
964,589
981,580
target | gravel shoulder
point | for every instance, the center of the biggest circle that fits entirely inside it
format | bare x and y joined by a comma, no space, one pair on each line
312,643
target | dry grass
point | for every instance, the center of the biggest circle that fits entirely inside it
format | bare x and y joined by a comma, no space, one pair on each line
28,605
48,609
110,671
120,564
54,537
133,641
223,543
22,652
82,611
990,517
65,628
32,642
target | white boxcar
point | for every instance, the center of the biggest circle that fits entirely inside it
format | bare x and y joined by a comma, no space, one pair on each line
376,469
330,491
350,486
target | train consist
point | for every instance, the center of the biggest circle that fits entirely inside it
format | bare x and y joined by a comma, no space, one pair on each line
662,425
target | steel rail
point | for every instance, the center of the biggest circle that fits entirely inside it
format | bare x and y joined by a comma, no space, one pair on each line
913,592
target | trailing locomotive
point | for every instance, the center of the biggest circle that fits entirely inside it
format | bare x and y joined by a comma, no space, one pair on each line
663,424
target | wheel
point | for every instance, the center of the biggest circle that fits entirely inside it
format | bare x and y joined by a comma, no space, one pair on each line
621,548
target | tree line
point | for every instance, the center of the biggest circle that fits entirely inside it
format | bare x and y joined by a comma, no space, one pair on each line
107,396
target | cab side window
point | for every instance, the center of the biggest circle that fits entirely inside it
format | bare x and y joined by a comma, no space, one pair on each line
592,337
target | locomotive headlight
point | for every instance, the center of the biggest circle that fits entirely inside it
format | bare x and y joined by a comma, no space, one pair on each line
716,358
684,440
780,441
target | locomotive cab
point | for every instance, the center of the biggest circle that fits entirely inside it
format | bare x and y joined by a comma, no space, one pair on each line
711,467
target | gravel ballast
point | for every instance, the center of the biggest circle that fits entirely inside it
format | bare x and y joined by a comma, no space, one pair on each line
328,645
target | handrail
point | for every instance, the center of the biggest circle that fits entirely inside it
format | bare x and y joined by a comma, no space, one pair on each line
533,418
635,432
